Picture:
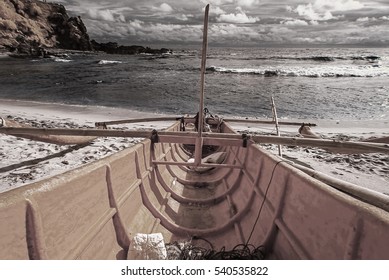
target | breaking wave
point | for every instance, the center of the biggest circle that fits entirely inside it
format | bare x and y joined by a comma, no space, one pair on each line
104,62
62,60
368,58
314,72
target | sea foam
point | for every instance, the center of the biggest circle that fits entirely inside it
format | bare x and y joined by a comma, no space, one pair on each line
62,60
345,71
104,62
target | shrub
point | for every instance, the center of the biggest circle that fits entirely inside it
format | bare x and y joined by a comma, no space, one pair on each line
33,10
6,24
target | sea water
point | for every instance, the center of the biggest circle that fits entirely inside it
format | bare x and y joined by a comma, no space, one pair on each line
317,83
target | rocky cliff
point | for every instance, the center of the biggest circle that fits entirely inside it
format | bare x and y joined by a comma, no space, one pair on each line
30,26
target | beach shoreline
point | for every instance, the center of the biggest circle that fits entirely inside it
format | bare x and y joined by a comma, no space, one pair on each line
25,161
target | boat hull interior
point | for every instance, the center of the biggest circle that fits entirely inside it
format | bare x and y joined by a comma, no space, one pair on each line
253,197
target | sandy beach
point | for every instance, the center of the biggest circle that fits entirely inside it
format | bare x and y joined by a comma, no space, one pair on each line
25,161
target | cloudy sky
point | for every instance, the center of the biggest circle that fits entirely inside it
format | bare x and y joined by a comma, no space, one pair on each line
236,22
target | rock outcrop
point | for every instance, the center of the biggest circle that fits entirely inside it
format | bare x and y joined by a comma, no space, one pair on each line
115,48
30,26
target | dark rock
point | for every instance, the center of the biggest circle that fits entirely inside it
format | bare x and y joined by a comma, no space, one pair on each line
270,73
323,58
372,57
72,34
115,48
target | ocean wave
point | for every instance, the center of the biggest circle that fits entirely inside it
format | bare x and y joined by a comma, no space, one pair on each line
314,72
368,58
62,60
104,62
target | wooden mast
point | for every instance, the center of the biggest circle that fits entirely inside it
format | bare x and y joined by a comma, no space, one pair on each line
199,140
203,68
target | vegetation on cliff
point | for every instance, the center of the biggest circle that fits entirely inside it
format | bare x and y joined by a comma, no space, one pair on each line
28,26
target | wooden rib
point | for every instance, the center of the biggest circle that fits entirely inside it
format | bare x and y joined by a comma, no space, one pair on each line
194,165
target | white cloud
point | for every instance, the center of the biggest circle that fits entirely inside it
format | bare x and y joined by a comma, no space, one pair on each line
247,3
364,19
337,5
182,17
289,8
164,8
308,21
144,32
217,2
233,33
137,24
314,40
239,17
217,11
309,13
295,22
170,33
106,15
122,18
322,10
237,3
367,19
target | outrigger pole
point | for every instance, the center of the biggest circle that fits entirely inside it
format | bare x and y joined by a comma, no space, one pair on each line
274,110
208,138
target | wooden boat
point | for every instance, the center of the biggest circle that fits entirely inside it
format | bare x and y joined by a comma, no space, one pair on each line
241,195
211,188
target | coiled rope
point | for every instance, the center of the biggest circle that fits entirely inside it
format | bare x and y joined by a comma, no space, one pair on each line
188,251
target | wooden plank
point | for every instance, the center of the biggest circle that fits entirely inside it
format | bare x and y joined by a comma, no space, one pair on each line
192,164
